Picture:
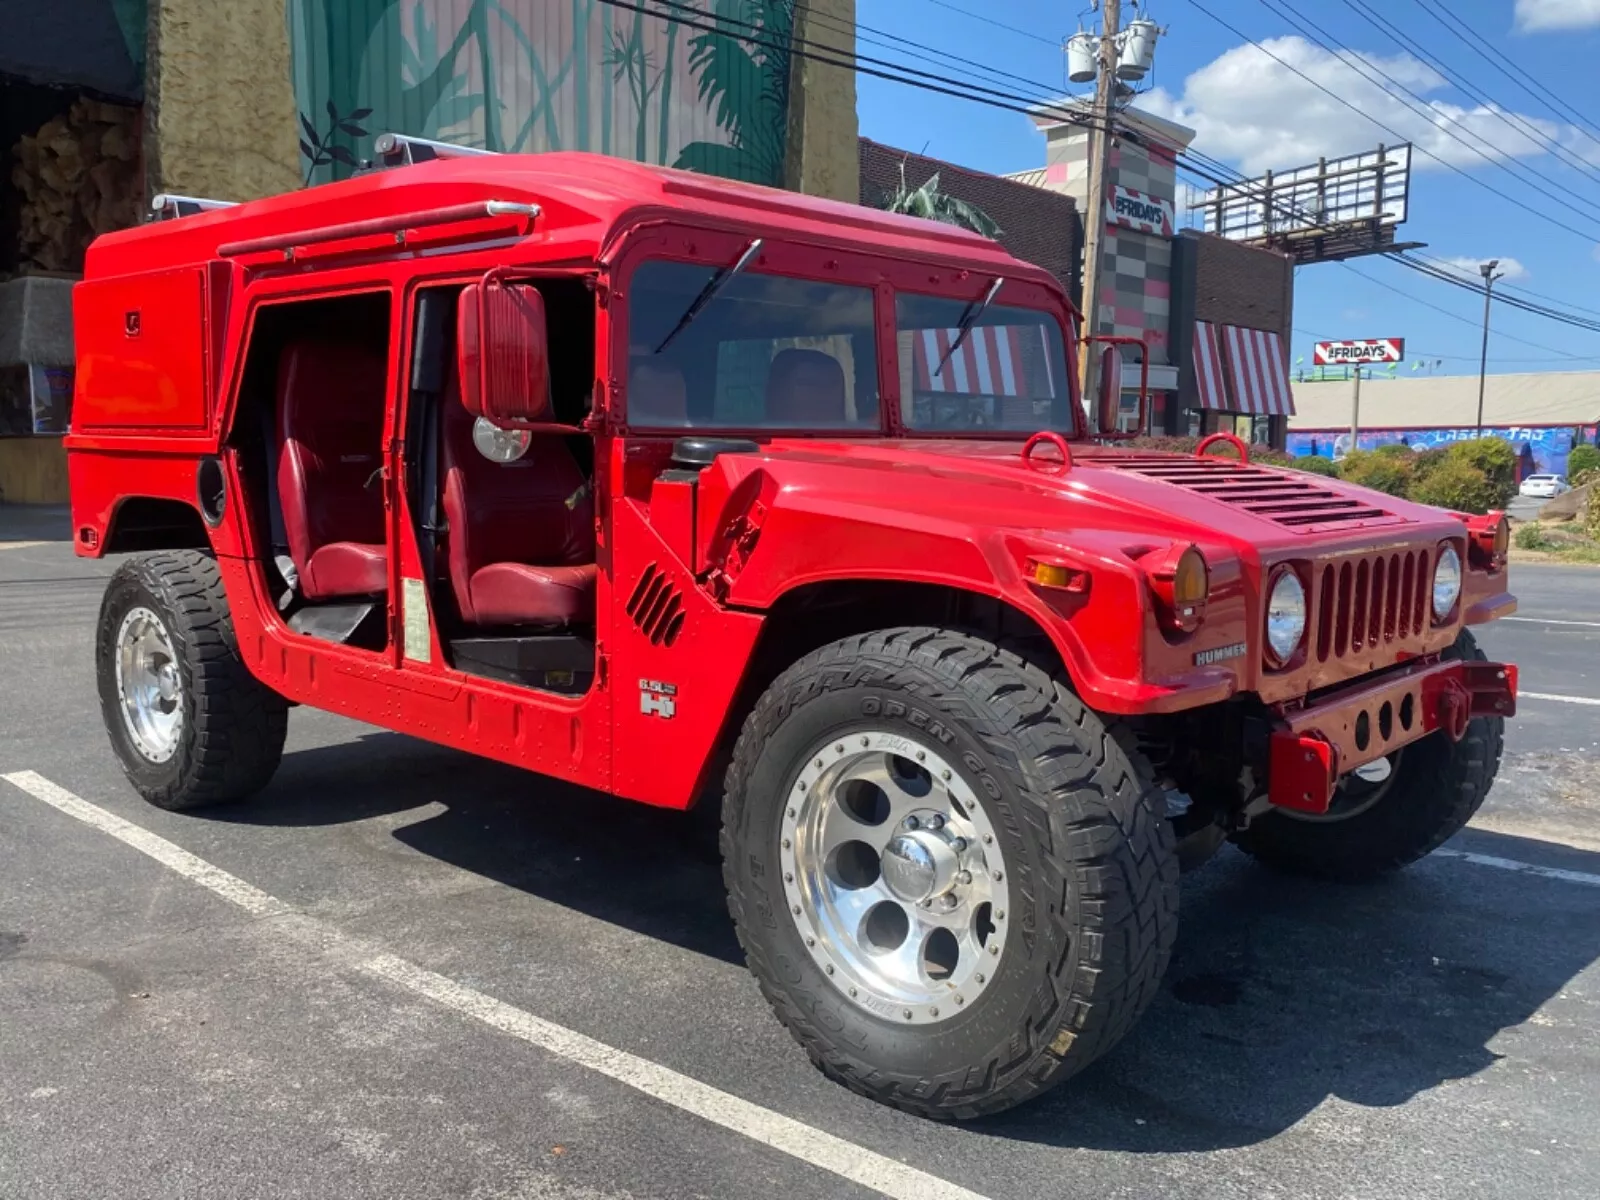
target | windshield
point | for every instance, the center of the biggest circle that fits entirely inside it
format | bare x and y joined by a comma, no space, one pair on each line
764,352
1011,373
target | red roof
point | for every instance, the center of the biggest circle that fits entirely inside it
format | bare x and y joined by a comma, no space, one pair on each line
585,198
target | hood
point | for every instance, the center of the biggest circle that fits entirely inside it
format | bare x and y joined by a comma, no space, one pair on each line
1175,495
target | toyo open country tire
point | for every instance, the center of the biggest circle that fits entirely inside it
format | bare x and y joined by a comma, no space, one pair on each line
190,724
1060,822
1435,788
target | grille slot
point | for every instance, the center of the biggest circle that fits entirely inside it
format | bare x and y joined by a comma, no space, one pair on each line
1296,503
1366,603
656,607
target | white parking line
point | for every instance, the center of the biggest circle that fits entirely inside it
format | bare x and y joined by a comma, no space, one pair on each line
1552,621
804,1142
1558,699
1511,864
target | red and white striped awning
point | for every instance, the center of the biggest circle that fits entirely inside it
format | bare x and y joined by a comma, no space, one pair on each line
994,360
1258,372
1208,367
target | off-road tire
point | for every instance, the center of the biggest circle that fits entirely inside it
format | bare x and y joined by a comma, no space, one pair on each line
1083,830
233,726
1438,786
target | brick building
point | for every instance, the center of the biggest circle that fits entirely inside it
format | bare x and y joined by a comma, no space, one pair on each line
1215,314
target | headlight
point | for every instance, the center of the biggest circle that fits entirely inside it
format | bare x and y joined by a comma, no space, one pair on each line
1286,617
1446,583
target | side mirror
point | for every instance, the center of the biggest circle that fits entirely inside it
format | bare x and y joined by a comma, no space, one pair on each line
503,353
1109,398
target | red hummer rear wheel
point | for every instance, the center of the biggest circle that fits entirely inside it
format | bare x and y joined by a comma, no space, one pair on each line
954,883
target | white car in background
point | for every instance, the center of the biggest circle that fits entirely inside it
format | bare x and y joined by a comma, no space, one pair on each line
1545,487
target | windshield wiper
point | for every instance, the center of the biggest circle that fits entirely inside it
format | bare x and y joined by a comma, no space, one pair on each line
709,293
969,318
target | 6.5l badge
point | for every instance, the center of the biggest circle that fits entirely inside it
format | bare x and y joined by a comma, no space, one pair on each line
658,699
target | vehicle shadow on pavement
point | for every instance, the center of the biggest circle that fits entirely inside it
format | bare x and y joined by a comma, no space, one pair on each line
1285,992
653,871
1281,993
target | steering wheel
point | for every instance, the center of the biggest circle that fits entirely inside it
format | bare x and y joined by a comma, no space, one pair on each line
1237,442
1054,439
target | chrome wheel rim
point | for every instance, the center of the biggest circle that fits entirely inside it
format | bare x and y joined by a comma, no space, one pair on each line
149,685
894,877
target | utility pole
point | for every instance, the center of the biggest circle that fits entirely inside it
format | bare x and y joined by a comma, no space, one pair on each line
1355,412
1094,222
1489,279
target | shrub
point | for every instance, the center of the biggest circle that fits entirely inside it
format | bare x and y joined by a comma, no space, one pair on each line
1585,477
1396,449
1315,464
1425,462
1532,537
1459,486
1381,472
1583,458
1591,518
1497,460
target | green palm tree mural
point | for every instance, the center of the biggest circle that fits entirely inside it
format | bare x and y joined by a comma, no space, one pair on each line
742,72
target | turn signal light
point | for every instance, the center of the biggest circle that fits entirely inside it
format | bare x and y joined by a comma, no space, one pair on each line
1057,576
1490,539
1181,581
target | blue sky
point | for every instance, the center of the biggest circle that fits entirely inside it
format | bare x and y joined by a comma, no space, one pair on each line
1255,114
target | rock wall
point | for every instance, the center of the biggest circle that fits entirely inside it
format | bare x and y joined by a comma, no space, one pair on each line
219,114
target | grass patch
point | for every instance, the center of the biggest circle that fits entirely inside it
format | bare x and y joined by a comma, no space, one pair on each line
1565,542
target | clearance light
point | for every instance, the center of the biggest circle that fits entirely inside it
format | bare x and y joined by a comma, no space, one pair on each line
1057,576
1181,581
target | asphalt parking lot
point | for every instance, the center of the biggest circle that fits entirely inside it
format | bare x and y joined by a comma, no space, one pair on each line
403,972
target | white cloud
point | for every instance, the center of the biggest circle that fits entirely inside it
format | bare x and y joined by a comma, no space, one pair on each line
1258,113
1541,16
1509,269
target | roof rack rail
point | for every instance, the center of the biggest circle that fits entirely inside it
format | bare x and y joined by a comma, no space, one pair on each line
401,150
168,206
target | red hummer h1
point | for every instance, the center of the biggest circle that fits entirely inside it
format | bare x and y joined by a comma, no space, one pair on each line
666,485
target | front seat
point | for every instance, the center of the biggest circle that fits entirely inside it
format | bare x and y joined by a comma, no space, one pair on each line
521,533
330,449
804,388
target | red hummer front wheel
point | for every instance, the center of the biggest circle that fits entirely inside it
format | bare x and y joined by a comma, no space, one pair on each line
954,883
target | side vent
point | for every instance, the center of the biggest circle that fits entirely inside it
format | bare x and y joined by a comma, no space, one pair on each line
656,607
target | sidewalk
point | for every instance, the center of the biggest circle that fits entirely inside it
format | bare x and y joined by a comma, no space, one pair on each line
34,523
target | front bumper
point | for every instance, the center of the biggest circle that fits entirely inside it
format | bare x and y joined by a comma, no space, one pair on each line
1313,747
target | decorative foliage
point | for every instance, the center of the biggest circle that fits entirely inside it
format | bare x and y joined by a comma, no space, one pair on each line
1583,459
742,74
320,148
932,204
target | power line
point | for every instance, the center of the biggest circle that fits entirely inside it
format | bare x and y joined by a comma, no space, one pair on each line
1543,216
1426,110
1455,280
1027,33
1513,121
1508,287
1498,59
966,89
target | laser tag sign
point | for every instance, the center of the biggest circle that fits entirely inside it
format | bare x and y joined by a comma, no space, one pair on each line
1359,354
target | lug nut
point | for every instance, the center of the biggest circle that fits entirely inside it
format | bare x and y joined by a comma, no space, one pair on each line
998,877
994,950
911,823
958,844
964,878
978,977
988,839
945,774
948,902
936,822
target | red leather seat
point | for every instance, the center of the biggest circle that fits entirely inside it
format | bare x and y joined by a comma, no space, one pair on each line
805,387
521,533
330,445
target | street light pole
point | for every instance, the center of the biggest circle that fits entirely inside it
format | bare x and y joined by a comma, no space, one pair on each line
1487,270
1094,223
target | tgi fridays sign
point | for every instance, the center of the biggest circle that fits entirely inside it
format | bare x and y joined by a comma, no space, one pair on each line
1136,210
1359,354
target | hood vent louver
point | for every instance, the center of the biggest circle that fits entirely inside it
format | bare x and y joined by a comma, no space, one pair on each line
1289,498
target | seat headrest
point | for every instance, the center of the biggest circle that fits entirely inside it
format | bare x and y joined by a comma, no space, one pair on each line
805,387
657,394
330,391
